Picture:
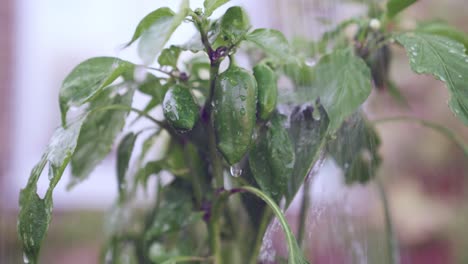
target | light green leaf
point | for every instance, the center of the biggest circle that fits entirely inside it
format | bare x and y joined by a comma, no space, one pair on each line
88,79
124,153
36,212
355,149
295,255
158,17
232,27
273,42
212,5
99,131
342,81
157,33
308,130
445,30
446,60
169,56
396,6
271,160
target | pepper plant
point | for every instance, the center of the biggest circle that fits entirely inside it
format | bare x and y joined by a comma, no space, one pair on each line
236,144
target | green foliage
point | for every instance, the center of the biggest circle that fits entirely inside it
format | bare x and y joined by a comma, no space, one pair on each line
236,122
446,60
88,79
394,7
355,149
272,158
342,81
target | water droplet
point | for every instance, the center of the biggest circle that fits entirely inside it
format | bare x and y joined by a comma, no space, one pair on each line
346,165
316,115
236,170
243,97
466,60
310,62
414,53
460,76
25,258
452,51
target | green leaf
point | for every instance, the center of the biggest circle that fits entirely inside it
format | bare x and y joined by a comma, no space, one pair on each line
88,79
35,212
99,131
156,29
295,255
152,86
271,160
212,5
233,26
342,81
446,60
355,149
308,130
396,6
124,153
273,42
175,212
445,30
169,56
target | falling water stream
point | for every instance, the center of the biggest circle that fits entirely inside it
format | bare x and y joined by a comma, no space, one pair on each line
342,224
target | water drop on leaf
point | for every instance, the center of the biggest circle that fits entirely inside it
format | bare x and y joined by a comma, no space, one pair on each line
235,170
25,258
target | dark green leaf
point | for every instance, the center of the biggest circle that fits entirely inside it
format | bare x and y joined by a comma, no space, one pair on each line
35,212
355,149
88,79
169,56
157,30
396,6
99,131
124,153
272,159
212,5
152,167
152,86
233,27
446,60
308,131
445,30
175,212
342,81
273,43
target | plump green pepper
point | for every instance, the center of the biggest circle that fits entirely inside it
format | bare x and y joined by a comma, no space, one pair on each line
234,112
267,90
179,108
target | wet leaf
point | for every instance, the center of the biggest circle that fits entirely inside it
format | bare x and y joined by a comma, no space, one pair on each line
212,5
394,7
155,30
169,56
88,79
124,153
355,149
446,60
342,81
36,212
233,27
99,131
272,159
445,30
308,131
273,43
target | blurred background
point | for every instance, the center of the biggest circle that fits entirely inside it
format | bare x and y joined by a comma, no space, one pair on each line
424,174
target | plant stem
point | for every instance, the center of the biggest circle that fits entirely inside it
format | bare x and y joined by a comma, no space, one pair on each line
214,227
304,210
266,217
392,243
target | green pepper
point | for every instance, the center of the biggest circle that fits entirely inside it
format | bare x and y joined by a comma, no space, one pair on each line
179,107
234,112
267,90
